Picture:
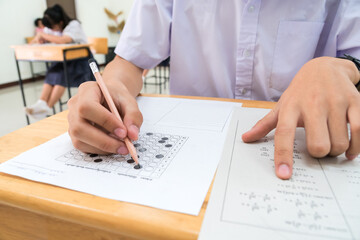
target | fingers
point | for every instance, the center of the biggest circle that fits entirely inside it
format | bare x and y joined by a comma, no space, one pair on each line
317,132
84,109
284,142
96,113
89,108
337,124
262,127
89,138
102,117
354,116
87,148
86,133
132,119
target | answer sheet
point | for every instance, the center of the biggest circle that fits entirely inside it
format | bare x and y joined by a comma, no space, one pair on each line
179,147
320,201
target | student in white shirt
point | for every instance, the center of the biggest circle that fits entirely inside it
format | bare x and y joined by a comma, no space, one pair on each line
60,29
246,49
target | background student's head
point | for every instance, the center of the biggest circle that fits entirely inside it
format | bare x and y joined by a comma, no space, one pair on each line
38,23
56,18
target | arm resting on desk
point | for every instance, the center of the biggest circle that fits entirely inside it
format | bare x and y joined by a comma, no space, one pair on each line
42,37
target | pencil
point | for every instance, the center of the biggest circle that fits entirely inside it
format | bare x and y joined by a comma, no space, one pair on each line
112,107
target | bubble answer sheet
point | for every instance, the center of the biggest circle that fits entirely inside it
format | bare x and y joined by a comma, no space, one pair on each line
320,201
179,146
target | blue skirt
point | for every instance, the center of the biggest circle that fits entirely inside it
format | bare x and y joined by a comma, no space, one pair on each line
78,71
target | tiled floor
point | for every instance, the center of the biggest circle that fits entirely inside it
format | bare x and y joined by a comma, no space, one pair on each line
12,114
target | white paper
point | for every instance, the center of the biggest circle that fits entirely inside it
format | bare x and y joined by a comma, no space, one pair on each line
185,113
178,158
320,201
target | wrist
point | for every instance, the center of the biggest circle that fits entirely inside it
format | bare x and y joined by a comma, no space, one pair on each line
119,88
116,85
125,75
353,71
353,65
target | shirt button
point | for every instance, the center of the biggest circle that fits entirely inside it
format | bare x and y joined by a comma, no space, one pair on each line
244,91
247,53
251,9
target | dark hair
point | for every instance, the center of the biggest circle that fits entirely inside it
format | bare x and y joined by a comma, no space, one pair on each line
54,15
36,22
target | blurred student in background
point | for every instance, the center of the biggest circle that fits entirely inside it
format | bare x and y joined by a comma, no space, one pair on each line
39,26
59,29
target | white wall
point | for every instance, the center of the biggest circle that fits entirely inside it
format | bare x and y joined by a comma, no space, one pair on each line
17,17
94,20
17,22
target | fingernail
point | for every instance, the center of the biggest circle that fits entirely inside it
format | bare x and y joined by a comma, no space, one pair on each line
351,157
123,150
134,128
121,133
283,170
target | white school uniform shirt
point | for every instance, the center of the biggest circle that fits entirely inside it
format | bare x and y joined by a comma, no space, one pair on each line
244,49
51,32
73,30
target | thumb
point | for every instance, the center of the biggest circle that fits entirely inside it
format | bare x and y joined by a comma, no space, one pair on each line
262,127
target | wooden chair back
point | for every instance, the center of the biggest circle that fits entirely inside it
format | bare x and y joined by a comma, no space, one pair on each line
98,45
28,39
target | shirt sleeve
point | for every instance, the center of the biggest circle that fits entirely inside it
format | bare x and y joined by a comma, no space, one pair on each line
75,31
46,30
145,40
347,33
51,32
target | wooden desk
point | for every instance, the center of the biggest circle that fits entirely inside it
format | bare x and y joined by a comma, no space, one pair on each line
49,53
31,210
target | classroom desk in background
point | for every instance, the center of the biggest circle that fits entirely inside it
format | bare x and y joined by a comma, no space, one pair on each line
48,53
32,210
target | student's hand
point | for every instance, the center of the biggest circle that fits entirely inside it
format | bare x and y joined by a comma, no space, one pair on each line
321,98
37,39
93,128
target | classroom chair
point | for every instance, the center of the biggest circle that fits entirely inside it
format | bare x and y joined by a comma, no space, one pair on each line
98,45
160,75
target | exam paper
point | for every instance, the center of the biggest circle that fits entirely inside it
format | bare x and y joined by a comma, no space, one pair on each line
320,201
178,153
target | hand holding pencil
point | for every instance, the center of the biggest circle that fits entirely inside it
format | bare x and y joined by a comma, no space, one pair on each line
113,108
95,129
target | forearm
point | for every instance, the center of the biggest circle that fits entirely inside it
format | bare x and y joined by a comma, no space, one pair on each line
121,71
56,39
